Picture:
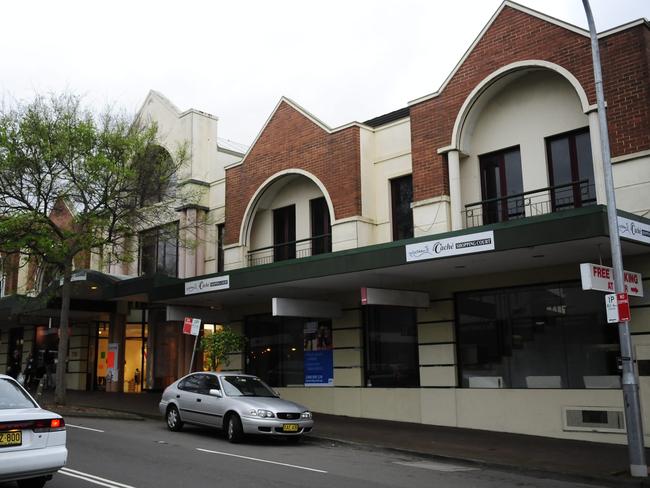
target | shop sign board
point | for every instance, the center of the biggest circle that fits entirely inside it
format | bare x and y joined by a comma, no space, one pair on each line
598,277
191,326
452,246
631,229
208,284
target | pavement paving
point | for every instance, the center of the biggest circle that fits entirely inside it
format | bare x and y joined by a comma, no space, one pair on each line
604,464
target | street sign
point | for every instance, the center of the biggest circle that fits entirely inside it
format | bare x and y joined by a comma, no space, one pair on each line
617,306
598,277
611,307
623,307
191,326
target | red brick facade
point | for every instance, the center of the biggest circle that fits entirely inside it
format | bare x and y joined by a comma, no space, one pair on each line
517,36
292,140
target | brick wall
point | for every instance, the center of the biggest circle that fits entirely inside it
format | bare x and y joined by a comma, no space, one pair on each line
516,36
291,140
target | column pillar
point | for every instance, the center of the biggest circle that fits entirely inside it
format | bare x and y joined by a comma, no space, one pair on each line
597,157
453,162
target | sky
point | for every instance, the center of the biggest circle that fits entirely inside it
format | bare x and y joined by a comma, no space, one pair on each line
342,60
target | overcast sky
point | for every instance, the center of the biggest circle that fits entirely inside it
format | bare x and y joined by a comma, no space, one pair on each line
342,60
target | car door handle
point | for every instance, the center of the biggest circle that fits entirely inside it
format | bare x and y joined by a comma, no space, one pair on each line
178,396
198,399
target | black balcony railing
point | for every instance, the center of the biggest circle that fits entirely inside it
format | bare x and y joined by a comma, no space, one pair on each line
530,203
291,250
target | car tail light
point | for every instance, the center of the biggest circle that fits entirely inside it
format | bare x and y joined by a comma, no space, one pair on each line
48,425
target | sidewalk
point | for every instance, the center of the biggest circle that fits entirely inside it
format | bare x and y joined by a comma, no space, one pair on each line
604,464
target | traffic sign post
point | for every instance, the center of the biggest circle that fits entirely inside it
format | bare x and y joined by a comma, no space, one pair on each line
192,326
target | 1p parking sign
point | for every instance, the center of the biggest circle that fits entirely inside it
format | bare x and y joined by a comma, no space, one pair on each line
617,306
611,307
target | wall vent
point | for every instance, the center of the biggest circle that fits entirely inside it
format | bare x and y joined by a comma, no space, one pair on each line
594,419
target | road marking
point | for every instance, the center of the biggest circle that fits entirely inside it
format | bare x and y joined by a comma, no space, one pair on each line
261,460
84,428
434,466
91,478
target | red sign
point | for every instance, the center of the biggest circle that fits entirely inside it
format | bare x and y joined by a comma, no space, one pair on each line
623,307
187,325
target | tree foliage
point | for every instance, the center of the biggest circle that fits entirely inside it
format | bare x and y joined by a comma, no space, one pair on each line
220,345
74,181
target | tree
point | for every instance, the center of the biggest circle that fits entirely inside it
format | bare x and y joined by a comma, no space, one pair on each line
220,345
104,167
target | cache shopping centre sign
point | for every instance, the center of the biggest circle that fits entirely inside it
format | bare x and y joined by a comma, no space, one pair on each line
452,246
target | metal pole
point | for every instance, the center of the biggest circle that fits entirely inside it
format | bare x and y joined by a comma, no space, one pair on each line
193,352
635,445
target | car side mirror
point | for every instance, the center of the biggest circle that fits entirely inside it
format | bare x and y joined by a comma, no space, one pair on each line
215,393
277,393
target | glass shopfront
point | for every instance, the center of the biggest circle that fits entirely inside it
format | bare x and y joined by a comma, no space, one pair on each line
544,336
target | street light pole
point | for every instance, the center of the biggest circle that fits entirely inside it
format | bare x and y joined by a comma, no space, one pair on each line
635,442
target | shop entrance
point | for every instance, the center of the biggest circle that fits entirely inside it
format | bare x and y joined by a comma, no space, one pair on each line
135,356
103,331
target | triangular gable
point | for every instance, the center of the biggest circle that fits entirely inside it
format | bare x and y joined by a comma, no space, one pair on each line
305,113
505,4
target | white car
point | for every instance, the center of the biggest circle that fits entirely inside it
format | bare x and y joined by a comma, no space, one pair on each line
239,404
32,440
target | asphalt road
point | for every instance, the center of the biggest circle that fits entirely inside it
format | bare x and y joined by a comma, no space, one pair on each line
144,454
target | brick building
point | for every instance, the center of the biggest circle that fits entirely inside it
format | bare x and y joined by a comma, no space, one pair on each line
418,264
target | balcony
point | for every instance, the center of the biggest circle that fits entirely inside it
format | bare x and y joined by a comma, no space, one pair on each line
291,250
531,203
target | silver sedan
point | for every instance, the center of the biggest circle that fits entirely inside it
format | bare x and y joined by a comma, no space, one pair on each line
239,404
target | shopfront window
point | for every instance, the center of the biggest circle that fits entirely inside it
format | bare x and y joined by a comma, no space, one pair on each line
546,336
277,348
391,347
103,334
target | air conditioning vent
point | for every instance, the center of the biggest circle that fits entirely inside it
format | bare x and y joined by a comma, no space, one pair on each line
594,419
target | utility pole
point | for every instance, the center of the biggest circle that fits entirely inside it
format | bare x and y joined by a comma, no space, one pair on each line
635,442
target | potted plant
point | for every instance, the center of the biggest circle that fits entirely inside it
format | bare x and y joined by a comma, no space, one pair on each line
220,345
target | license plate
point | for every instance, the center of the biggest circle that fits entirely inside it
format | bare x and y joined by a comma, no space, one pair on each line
14,438
289,427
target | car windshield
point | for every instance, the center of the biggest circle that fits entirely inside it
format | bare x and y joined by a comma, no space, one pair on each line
13,396
246,386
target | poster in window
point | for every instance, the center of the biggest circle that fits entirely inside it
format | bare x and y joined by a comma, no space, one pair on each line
318,357
112,363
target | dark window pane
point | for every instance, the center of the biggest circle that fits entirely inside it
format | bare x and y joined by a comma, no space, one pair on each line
501,178
321,230
275,349
391,347
220,229
571,169
159,250
585,168
402,214
552,336
284,233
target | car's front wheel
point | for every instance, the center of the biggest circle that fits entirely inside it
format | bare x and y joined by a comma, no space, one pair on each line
32,482
234,430
174,422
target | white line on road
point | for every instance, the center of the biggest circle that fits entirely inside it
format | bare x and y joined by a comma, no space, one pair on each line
261,460
84,428
92,478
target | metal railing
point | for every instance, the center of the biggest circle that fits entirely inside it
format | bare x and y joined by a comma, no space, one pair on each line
530,203
301,248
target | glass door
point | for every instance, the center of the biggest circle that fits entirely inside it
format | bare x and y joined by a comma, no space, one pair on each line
501,186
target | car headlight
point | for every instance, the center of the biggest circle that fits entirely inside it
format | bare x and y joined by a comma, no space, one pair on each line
305,415
262,413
